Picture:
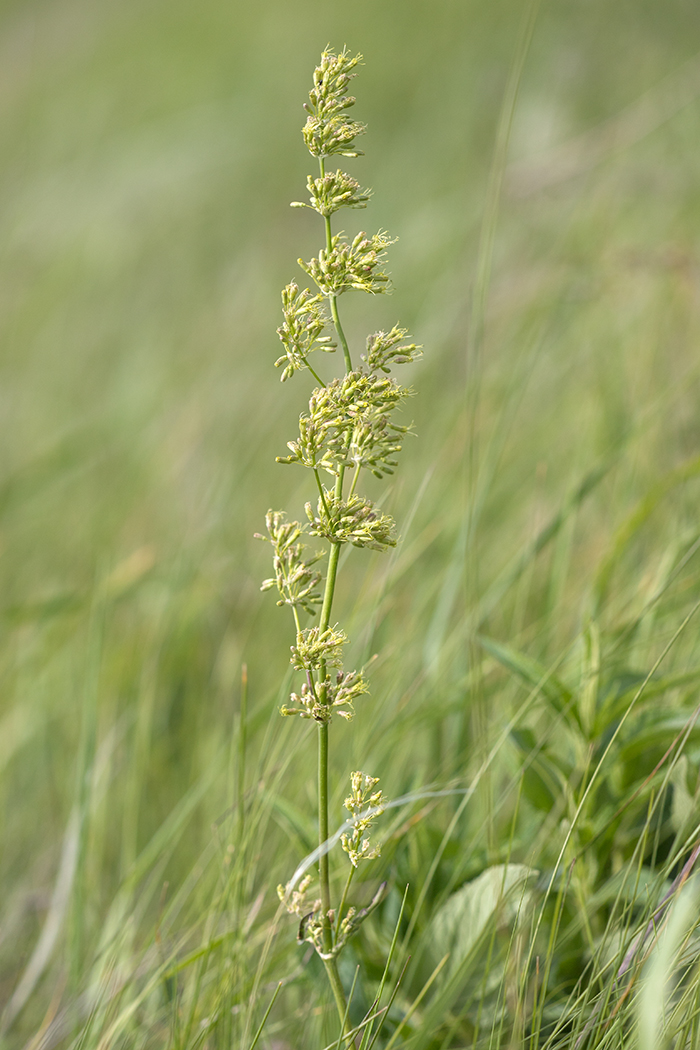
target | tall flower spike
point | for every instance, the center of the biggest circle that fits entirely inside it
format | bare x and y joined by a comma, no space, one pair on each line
349,427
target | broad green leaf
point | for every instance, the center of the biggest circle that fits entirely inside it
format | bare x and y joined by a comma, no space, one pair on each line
498,895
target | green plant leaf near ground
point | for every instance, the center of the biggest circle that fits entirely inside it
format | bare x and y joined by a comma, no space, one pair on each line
496,897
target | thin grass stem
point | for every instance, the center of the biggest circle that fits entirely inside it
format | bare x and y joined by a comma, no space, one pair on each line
259,1032
242,727
341,906
339,328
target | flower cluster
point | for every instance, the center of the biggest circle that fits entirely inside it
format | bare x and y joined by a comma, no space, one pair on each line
364,805
304,320
334,695
332,191
310,450
296,582
328,129
349,425
315,647
309,911
354,520
383,351
358,392
354,919
374,441
310,915
351,264
298,902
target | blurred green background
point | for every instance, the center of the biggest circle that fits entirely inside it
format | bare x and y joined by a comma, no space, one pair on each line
148,154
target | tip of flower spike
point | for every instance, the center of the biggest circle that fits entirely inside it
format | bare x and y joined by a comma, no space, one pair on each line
328,129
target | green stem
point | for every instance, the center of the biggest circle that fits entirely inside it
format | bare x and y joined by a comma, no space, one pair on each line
333,297
322,494
338,327
354,480
323,871
338,993
341,906
328,593
243,718
323,832
330,964
314,374
296,619
323,867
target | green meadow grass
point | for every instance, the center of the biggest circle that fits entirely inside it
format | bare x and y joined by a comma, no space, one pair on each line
535,686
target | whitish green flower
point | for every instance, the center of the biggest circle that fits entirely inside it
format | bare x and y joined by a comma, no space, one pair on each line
311,447
328,128
382,350
294,578
296,901
354,919
314,647
367,438
364,805
321,701
351,521
374,441
351,264
304,320
348,425
346,400
332,191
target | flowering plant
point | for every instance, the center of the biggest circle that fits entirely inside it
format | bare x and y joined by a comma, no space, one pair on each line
349,428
